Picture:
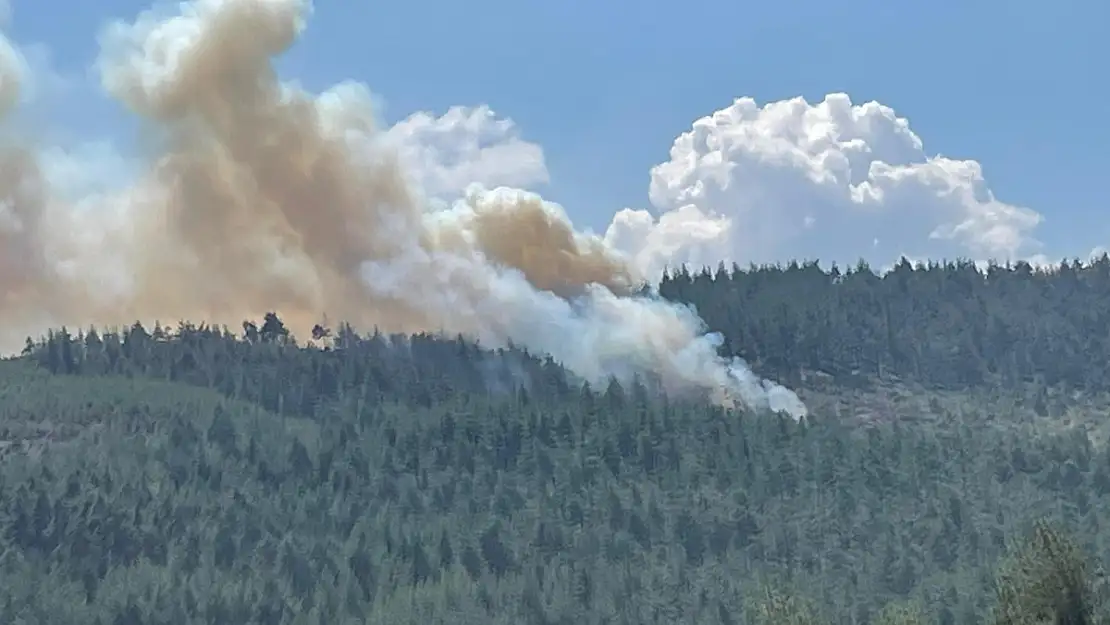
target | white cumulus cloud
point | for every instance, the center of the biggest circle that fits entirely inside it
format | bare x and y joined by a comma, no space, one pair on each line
833,181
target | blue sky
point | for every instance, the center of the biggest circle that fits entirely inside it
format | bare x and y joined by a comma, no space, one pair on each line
605,88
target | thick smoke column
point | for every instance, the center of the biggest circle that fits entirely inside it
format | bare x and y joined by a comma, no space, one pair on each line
265,197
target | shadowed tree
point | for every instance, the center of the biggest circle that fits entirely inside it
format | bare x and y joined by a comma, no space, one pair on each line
273,329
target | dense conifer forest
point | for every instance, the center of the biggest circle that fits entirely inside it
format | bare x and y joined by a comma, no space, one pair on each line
953,470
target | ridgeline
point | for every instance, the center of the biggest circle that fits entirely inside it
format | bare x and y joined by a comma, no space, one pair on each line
953,470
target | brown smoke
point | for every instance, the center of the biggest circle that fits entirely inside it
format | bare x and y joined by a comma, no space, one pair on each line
24,271
265,197
522,232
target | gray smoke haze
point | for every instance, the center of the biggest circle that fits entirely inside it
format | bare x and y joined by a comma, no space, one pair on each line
266,197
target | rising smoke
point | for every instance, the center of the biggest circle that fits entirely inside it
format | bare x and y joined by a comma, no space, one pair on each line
265,197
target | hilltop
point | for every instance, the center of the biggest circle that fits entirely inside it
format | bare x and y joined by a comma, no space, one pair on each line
198,475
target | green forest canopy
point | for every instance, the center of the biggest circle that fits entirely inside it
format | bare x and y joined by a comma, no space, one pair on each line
954,469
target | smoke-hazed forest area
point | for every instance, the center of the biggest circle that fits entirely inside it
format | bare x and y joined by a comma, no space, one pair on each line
952,468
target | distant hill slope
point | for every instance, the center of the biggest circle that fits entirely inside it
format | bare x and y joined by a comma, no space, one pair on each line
1029,409
96,412
941,325
196,476
193,477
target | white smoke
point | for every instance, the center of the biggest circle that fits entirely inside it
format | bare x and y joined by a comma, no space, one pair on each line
13,74
263,196
445,155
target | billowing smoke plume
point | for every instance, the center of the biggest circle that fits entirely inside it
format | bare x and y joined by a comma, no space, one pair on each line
265,197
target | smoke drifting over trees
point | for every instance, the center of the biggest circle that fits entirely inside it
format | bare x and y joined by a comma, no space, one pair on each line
265,197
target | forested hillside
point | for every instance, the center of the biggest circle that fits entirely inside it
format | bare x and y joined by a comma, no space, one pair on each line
198,475
946,325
